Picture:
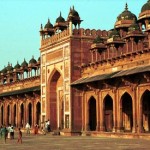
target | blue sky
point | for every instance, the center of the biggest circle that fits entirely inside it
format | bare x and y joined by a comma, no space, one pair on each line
20,22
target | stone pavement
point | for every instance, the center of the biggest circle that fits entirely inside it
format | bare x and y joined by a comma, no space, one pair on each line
51,142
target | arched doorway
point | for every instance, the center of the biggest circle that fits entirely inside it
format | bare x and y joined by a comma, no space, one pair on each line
108,113
30,114
56,101
2,115
146,111
92,114
8,115
38,113
22,115
127,114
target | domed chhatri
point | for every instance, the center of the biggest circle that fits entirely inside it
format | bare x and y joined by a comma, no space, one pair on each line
125,19
73,13
74,17
17,66
144,16
32,61
48,29
60,19
146,6
48,25
126,15
24,64
9,67
60,24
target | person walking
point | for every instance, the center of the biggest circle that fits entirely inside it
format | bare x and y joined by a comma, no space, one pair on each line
27,128
19,136
4,133
12,132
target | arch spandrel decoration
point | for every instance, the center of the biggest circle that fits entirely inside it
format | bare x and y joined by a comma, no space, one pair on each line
142,91
110,93
55,69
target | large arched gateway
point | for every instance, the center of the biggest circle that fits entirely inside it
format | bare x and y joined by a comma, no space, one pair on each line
56,101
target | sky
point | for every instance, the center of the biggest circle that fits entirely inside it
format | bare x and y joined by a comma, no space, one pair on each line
20,22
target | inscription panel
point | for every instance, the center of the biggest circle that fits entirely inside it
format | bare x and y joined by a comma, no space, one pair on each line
54,55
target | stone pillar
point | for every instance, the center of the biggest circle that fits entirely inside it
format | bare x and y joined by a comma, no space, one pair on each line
127,47
98,113
83,112
19,115
86,114
134,111
17,112
115,100
132,44
12,115
33,121
102,128
34,112
120,121
146,23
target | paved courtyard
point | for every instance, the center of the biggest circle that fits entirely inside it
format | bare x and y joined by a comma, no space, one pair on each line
50,142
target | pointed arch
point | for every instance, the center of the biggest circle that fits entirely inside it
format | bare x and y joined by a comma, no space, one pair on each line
108,113
55,104
145,110
92,113
126,112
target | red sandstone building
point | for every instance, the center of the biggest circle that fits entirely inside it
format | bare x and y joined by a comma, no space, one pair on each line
91,81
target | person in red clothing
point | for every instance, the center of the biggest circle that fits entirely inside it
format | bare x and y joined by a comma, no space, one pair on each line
19,136
36,129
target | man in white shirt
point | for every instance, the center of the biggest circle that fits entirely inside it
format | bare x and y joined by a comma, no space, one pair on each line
28,128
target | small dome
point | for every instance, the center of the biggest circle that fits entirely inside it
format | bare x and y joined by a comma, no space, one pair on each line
4,70
126,15
17,66
114,33
60,19
134,27
9,67
73,12
48,25
98,40
24,64
32,61
146,6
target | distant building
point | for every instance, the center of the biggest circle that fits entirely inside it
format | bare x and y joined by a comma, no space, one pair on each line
91,81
